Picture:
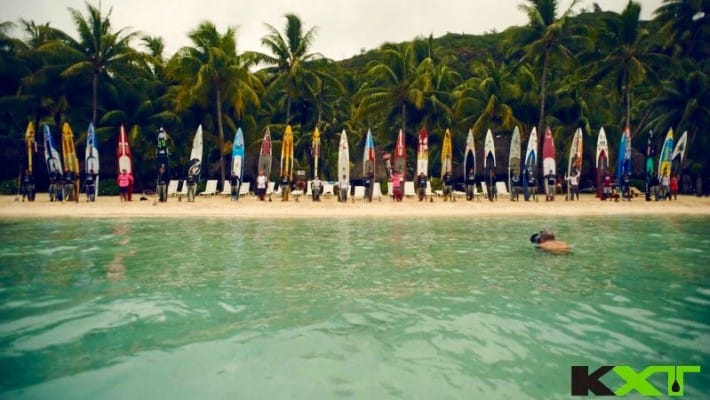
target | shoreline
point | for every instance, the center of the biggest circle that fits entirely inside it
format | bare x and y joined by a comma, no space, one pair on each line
249,207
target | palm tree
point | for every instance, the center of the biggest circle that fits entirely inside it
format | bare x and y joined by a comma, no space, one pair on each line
97,53
685,25
288,69
212,73
400,80
627,60
545,38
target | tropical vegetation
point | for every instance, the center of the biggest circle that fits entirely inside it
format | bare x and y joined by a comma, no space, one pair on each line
564,69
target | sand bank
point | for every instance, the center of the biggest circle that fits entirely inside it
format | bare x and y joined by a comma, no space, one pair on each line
250,207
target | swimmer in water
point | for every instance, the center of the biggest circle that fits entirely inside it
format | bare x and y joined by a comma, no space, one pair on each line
546,241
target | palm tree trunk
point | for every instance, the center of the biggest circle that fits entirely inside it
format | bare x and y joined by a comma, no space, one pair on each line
95,97
404,118
628,100
220,128
543,84
288,108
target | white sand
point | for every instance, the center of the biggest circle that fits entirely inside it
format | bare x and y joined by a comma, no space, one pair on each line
250,207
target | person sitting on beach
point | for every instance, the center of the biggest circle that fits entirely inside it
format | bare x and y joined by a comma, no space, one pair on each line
545,240
261,182
316,188
421,186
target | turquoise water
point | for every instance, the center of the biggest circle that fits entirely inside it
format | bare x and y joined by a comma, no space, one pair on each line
358,308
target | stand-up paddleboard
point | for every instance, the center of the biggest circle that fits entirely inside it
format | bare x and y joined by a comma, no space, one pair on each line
315,151
368,155
51,154
623,162
399,160
123,153
530,161
514,158
343,157
238,155
162,152
489,162
423,153
287,154
195,163
664,159
649,164
446,154
71,162
30,144
91,157
469,155
265,154
549,165
602,159
678,155
574,162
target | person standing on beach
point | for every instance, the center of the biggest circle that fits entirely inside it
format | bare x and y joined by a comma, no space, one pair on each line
396,186
344,188
550,184
162,184
606,186
515,183
28,186
532,186
285,188
673,186
234,185
574,184
191,182
369,181
626,186
90,186
492,192
316,188
448,186
124,182
68,192
470,184
421,186
261,182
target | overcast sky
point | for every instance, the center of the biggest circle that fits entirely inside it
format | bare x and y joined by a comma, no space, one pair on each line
344,26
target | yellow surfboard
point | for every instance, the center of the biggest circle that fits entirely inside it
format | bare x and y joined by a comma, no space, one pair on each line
30,143
446,154
287,153
71,162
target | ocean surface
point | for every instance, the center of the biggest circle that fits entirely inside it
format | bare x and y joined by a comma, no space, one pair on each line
356,308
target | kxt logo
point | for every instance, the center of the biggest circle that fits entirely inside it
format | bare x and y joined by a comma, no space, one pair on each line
583,382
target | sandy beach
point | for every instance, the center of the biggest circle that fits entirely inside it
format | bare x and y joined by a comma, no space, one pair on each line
329,207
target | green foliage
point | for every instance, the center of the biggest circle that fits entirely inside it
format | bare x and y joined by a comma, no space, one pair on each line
108,187
8,186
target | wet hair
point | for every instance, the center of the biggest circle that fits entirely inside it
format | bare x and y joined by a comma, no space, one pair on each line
535,238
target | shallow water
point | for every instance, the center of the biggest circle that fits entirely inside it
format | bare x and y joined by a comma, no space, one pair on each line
357,308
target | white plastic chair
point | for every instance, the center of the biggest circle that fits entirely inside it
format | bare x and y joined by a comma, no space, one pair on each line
502,189
172,187
244,189
409,189
227,191
210,188
359,193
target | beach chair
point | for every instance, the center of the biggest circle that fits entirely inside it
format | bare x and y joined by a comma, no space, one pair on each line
428,193
484,189
227,191
270,188
244,189
409,189
328,189
376,191
210,188
390,191
172,187
309,193
502,189
359,193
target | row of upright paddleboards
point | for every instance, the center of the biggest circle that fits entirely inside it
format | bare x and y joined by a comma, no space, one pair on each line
670,158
